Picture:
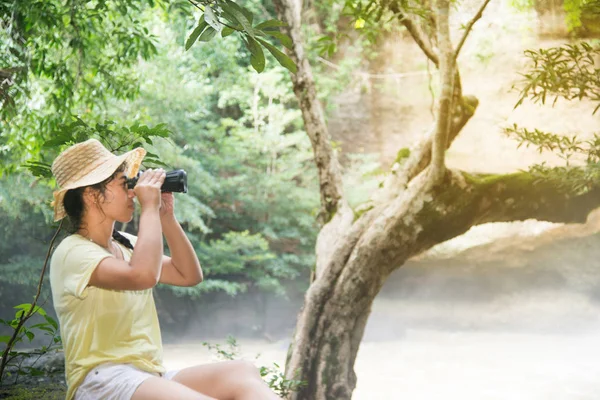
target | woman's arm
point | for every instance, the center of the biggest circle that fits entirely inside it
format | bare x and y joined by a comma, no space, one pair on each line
183,267
143,271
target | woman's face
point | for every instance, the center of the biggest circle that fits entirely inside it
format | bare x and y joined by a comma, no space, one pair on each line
117,202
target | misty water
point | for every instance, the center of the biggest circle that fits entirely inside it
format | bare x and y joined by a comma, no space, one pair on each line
514,317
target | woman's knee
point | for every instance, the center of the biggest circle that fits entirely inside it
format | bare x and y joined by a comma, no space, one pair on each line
246,369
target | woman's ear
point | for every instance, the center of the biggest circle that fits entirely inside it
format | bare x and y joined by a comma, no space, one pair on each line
90,197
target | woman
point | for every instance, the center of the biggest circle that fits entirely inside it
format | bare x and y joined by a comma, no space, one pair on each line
102,284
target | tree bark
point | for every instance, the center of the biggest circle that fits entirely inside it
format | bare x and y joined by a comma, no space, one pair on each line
332,322
330,179
411,213
440,139
335,215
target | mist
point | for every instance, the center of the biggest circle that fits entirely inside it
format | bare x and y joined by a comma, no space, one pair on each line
506,311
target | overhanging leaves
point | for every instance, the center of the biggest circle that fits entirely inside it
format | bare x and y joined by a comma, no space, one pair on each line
202,24
257,58
284,60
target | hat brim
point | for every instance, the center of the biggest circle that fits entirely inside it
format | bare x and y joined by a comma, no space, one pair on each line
104,171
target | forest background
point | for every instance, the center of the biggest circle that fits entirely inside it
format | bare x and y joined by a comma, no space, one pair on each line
254,201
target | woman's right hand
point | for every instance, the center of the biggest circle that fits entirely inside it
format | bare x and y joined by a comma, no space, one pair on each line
147,188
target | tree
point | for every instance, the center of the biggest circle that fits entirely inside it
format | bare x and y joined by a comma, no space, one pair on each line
422,203
59,58
64,58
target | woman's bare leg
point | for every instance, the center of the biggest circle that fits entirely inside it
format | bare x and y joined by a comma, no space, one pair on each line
161,389
227,380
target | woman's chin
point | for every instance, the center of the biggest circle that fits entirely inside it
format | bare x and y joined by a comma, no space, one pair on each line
126,218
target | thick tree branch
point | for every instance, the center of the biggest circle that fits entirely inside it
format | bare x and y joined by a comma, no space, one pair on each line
466,200
426,214
521,196
446,67
468,28
419,38
330,178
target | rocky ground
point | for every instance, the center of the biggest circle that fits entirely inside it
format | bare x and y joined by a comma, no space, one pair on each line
48,385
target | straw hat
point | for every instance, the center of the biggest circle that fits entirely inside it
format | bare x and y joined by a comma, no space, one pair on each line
88,163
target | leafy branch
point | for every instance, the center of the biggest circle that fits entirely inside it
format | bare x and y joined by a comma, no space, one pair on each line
575,178
568,72
273,376
225,17
26,311
115,138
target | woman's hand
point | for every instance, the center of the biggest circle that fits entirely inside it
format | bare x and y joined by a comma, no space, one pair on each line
147,189
167,208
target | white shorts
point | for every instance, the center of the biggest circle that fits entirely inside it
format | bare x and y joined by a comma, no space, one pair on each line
115,382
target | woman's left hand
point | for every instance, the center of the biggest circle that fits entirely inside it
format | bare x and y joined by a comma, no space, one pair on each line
167,206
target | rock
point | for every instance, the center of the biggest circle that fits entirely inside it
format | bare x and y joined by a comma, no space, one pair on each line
49,376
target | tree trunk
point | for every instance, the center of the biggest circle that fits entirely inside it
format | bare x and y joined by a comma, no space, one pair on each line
413,211
330,180
332,323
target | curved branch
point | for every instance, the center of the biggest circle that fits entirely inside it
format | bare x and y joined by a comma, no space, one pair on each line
413,29
469,26
330,178
419,157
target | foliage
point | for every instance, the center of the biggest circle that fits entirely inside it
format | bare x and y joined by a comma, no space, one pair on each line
273,375
252,193
362,175
225,17
276,379
568,72
48,326
345,20
578,10
581,171
50,391
59,57
115,138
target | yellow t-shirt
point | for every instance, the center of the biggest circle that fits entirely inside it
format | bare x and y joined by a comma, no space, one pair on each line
99,325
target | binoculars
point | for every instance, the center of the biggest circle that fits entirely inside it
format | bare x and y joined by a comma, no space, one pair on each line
175,181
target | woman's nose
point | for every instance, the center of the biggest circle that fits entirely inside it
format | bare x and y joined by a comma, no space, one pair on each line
130,193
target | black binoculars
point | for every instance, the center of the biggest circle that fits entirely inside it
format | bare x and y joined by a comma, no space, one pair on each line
175,181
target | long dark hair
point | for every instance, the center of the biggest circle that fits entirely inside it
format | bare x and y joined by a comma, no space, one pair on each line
74,206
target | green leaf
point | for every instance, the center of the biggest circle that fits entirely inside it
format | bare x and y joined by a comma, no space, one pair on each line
43,327
51,321
30,335
257,58
151,155
36,372
233,10
195,34
227,31
283,38
39,169
208,34
4,339
272,23
284,60
211,19
247,13
24,306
